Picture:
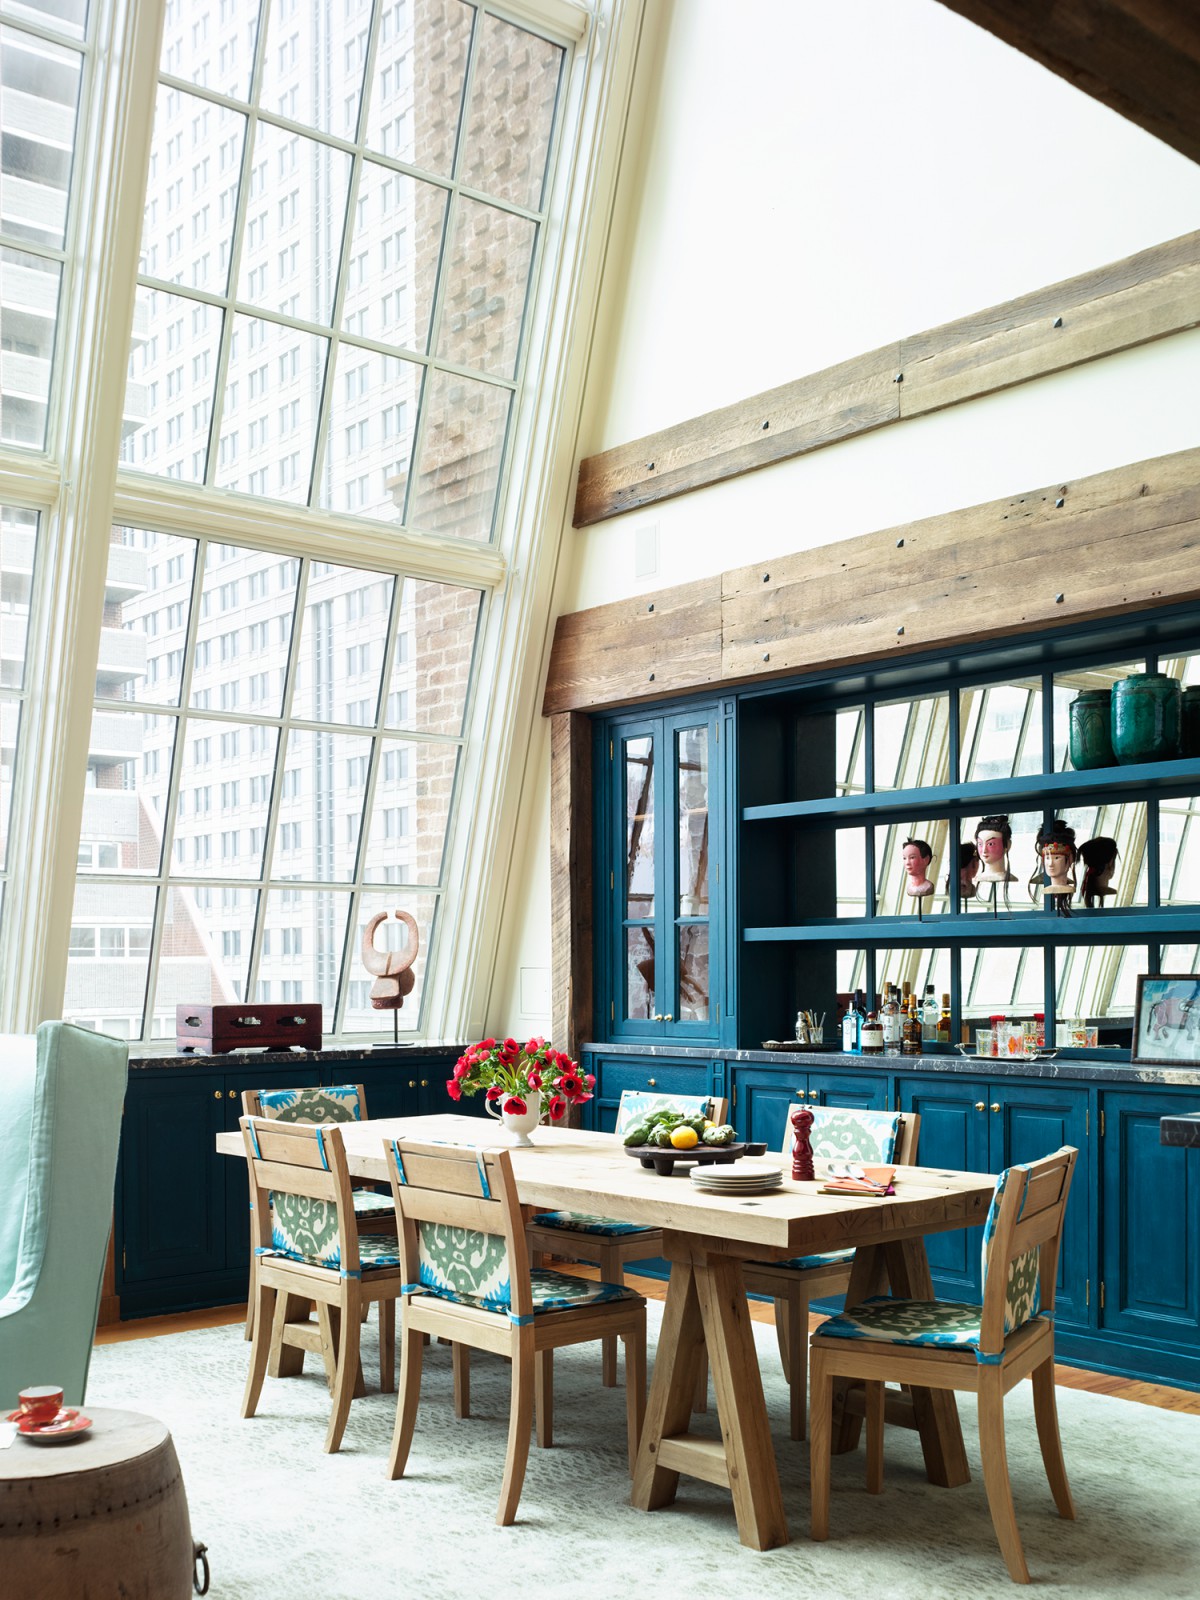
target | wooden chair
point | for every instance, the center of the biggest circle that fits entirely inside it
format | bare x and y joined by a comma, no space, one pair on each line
339,1102
610,1245
949,1345
468,1280
838,1134
308,1249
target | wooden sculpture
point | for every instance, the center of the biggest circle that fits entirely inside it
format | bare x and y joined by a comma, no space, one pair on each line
391,969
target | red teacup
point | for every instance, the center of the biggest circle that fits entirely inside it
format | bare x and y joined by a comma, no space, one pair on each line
41,1404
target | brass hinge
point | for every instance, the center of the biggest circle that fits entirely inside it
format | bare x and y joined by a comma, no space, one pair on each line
1102,1294
1087,1291
612,882
1102,1135
718,867
610,749
612,1010
718,1011
1087,1122
733,1098
718,732
122,1259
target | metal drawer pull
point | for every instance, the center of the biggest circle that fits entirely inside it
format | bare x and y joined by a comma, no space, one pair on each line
247,1022
192,1022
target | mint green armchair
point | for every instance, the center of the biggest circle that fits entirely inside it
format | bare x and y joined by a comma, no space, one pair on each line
61,1094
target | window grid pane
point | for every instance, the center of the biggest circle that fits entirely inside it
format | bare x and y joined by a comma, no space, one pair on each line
251,788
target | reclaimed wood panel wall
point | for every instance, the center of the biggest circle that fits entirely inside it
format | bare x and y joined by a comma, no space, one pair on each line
1124,539
1115,307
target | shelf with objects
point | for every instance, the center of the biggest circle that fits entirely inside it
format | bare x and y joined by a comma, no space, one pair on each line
956,831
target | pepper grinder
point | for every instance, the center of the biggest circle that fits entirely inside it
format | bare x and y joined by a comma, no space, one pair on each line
801,1120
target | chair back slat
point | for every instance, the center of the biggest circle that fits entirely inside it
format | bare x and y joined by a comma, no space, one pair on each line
442,1169
307,1182
1021,1243
455,1210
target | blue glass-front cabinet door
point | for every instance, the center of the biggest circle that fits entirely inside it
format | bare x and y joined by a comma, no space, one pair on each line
661,853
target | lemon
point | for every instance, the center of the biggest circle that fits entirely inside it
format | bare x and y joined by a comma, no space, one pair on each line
684,1138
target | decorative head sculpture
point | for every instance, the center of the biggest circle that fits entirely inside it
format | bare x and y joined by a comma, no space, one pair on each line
1055,846
993,840
917,855
968,869
1099,857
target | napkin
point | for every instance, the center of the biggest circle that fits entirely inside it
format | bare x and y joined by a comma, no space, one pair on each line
868,1181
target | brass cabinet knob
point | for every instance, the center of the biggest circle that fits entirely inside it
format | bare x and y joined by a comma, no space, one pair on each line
232,1093
995,1105
668,1017
651,1083
424,1083
412,1083
216,1094
979,1106
814,1094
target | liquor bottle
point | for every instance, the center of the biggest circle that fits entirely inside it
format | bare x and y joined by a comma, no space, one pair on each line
852,1024
929,1016
944,1024
910,1038
891,1022
872,1036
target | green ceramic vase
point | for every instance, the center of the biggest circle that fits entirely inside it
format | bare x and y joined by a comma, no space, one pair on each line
1191,721
1147,718
1088,735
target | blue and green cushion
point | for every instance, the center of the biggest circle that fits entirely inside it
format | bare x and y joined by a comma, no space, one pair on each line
337,1102
829,1258
1023,1291
304,1229
471,1268
841,1133
587,1222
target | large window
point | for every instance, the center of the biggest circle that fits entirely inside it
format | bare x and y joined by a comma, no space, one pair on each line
353,260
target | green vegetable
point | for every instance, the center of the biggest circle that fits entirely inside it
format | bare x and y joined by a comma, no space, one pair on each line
725,1134
638,1134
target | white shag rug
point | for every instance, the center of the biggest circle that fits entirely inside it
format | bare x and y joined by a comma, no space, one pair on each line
283,1521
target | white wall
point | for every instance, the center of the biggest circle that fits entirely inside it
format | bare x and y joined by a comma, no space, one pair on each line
803,183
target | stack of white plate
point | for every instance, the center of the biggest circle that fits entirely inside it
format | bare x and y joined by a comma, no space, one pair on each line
740,1177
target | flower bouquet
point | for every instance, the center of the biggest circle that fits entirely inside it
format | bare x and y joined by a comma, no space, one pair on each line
513,1075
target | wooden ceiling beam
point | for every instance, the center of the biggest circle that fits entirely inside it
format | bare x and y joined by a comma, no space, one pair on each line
1141,58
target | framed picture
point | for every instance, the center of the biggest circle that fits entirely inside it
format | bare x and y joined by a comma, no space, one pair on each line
1166,1020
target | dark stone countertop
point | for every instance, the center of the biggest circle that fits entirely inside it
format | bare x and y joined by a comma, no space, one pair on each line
1077,1066
436,1049
1184,1130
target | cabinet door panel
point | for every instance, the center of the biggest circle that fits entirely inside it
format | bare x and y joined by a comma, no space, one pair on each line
173,1204
953,1135
1033,1122
765,1098
614,1075
860,1090
1151,1246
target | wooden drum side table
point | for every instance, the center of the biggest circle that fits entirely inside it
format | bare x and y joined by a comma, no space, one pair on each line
103,1515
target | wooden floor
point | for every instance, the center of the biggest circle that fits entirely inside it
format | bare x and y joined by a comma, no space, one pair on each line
1147,1394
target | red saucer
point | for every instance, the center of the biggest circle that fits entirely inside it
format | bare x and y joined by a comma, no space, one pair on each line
68,1424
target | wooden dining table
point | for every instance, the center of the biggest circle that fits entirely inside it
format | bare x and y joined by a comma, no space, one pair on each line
706,1237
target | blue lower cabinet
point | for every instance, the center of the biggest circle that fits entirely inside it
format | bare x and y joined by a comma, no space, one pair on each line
972,1125
182,1215
1150,1252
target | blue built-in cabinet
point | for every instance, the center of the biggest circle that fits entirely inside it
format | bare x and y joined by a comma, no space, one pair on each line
181,1224
755,837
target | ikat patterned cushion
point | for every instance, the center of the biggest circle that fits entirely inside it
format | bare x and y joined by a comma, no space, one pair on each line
1023,1291
335,1103
847,1134
587,1222
303,1229
471,1268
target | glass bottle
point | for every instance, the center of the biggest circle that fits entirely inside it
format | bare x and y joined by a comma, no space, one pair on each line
929,1016
852,1024
910,1039
872,1036
944,1024
891,1022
